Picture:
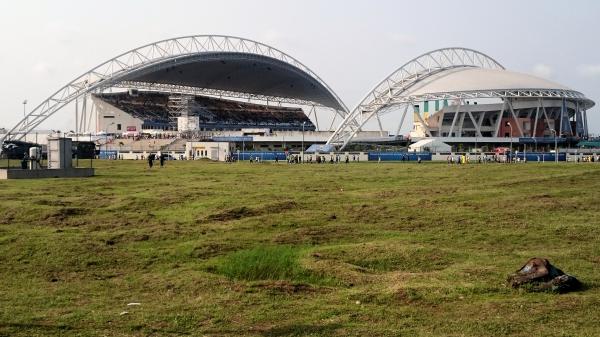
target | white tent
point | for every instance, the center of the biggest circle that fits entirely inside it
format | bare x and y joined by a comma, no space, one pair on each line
430,145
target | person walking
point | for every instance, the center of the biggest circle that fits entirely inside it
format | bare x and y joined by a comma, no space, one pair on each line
150,160
162,160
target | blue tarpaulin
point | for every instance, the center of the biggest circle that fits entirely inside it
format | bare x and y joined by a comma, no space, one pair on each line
399,156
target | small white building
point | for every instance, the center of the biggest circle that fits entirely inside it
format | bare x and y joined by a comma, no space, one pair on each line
432,145
217,151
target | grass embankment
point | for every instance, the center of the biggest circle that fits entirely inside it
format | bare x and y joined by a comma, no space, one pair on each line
277,250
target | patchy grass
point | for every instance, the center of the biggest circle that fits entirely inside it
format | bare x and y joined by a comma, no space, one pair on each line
291,250
266,263
392,256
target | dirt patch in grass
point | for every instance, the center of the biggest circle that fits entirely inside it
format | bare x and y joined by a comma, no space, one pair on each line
286,287
369,213
51,202
246,212
315,235
211,250
385,257
63,215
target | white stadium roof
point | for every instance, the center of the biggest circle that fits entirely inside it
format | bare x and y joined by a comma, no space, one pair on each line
476,79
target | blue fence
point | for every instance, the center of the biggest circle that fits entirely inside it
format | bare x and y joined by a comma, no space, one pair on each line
399,156
107,154
542,140
540,156
266,155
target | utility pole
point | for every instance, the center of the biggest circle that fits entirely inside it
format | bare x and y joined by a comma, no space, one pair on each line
511,138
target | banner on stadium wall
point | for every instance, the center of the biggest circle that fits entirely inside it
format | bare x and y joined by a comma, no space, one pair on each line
131,129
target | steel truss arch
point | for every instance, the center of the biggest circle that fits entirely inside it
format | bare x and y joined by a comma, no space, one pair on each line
111,72
497,93
381,98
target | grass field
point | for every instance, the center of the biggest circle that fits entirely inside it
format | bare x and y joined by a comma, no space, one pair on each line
275,250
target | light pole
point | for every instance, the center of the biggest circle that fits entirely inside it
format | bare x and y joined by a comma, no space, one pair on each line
511,133
24,107
555,145
106,140
303,123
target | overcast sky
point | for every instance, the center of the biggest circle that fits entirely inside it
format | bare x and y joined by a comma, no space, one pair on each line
352,45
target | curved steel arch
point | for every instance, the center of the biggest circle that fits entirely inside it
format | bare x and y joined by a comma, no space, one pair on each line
109,73
382,97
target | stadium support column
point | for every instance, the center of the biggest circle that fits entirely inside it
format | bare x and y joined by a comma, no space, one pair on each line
535,123
545,114
380,126
91,115
441,123
83,120
585,124
500,116
565,125
455,118
475,123
514,115
461,124
77,116
402,119
579,124
314,110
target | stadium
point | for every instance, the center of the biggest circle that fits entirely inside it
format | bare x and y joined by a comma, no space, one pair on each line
461,96
163,95
209,88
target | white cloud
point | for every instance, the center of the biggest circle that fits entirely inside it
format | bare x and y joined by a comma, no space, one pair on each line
542,70
271,37
401,38
42,68
589,70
